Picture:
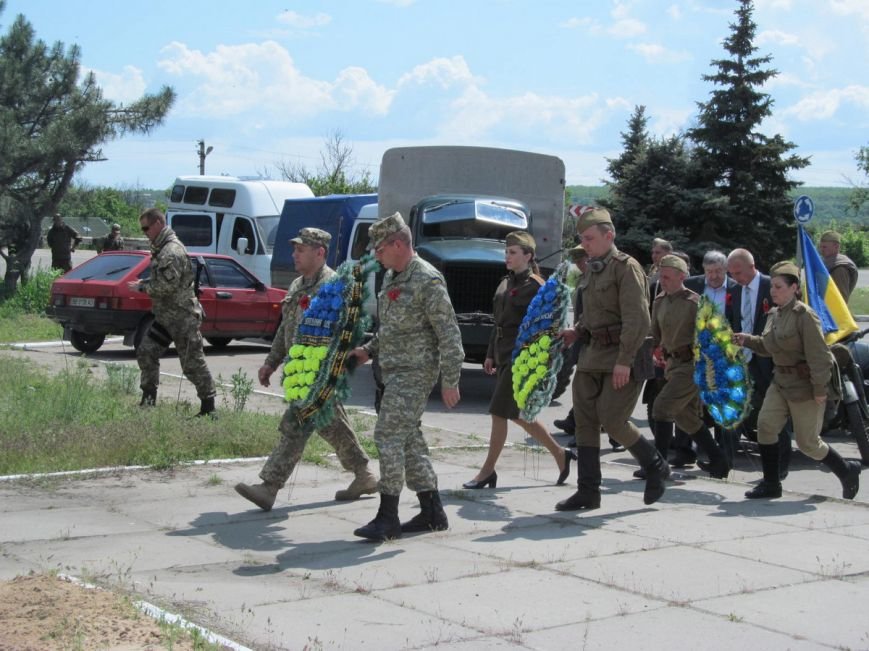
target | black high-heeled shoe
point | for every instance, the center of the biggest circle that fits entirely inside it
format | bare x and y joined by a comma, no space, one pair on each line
491,482
569,455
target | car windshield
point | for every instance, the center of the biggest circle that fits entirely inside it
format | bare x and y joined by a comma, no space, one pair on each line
268,230
104,267
474,219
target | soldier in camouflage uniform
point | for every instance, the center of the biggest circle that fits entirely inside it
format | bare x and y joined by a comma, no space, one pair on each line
177,314
62,239
309,258
674,315
615,322
418,338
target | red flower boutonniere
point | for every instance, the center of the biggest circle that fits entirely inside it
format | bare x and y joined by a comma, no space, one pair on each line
765,306
513,292
728,299
393,294
304,301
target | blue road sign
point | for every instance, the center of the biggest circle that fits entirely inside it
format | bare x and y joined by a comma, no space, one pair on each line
804,208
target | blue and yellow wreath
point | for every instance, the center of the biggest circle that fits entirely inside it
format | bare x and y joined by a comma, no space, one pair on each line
537,353
720,369
316,373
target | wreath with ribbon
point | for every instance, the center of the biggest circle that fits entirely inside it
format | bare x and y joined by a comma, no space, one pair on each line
316,372
537,355
720,369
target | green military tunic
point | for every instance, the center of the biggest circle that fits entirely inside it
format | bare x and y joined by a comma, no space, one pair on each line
338,433
418,338
177,317
673,323
512,297
615,303
803,368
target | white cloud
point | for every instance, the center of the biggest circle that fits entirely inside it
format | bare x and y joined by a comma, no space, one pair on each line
822,105
579,23
656,53
670,122
776,37
785,5
262,77
851,7
786,79
675,12
441,71
297,20
125,87
623,25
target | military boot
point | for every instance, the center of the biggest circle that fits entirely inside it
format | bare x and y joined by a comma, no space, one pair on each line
785,450
363,484
663,432
207,408
587,495
385,525
149,398
263,495
770,487
718,466
655,466
848,473
431,516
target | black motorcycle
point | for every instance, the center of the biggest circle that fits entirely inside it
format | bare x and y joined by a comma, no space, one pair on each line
851,411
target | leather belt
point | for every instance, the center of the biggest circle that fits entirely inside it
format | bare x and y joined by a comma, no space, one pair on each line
608,336
801,370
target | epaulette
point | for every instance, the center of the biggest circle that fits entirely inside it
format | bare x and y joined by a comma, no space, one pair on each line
799,307
621,256
691,295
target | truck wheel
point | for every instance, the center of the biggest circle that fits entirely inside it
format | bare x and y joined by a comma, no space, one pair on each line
218,342
86,343
857,426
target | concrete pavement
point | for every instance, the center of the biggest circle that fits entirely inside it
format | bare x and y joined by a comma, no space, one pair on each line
701,568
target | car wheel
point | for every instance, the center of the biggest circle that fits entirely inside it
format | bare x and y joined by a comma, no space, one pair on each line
86,343
218,342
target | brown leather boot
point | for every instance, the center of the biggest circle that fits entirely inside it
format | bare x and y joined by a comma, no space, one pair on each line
263,495
364,483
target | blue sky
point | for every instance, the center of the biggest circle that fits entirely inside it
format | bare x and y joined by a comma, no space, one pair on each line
267,81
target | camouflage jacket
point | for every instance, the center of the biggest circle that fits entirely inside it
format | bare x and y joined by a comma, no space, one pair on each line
418,331
298,298
170,285
61,240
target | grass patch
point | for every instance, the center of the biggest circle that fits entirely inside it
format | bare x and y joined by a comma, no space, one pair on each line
859,301
28,327
71,421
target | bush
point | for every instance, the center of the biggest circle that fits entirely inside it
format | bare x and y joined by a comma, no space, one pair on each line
32,297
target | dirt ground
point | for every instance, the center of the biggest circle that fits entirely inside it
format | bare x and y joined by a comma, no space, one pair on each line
46,613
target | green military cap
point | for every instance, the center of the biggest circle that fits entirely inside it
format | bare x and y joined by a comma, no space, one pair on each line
312,237
383,228
831,236
785,268
674,262
521,238
116,227
577,252
593,217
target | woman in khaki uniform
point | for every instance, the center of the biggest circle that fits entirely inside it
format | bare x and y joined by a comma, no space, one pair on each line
803,367
511,301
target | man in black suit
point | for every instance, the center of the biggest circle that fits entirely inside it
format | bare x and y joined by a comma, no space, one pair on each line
750,302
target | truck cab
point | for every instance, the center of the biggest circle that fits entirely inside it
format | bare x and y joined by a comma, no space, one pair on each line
231,216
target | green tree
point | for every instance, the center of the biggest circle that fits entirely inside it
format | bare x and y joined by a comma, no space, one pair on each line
860,193
109,204
744,171
334,175
52,122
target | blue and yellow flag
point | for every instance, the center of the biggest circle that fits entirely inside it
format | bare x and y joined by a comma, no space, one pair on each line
822,294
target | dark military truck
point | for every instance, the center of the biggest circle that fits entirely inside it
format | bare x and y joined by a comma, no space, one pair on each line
460,203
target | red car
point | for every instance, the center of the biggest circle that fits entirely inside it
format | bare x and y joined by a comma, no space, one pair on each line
93,300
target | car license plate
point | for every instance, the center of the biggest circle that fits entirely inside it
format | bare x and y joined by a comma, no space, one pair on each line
78,301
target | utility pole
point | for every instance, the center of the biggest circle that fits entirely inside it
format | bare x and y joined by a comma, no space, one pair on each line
203,152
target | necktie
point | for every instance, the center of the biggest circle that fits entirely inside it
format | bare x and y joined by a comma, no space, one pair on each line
747,316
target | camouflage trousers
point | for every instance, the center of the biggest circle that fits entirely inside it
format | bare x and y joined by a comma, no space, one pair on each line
403,451
188,342
287,453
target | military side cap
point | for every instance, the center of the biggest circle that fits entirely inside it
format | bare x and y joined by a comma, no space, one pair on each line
592,218
312,237
521,238
785,269
577,252
831,236
383,228
674,262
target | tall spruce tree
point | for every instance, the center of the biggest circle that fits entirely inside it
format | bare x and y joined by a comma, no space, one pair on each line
53,120
745,172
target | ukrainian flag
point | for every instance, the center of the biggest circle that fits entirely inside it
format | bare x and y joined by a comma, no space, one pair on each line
822,294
